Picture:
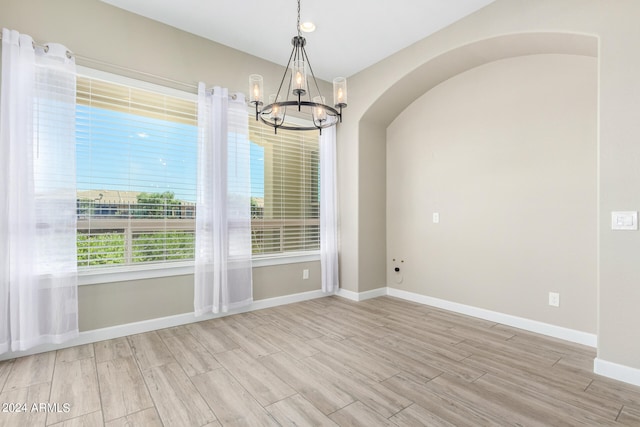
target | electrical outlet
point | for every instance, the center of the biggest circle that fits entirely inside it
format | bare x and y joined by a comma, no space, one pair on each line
305,274
554,299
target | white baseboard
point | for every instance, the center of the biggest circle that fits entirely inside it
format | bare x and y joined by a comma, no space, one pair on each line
286,299
560,332
361,296
601,367
616,371
566,334
118,331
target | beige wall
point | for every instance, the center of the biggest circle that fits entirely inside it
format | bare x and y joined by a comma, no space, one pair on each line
110,39
119,303
509,28
279,280
506,154
371,227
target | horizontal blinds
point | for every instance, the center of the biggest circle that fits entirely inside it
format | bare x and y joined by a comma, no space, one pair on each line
136,174
136,177
127,99
285,199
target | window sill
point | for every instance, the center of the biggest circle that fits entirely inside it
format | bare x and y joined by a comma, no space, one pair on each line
291,258
133,272
152,271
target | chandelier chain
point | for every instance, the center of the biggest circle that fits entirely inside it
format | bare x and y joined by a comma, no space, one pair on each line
299,33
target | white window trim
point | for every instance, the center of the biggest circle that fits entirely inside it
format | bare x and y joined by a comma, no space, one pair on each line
96,276
286,258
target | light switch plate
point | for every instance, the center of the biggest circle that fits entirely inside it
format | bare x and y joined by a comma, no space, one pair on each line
627,220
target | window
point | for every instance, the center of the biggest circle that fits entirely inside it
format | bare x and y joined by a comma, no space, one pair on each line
284,188
136,174
136,177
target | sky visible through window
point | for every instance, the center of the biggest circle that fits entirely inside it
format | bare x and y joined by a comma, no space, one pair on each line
128,152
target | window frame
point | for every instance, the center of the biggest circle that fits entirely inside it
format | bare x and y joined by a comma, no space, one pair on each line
132,272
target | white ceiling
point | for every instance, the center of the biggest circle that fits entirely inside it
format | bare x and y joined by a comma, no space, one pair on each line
350,34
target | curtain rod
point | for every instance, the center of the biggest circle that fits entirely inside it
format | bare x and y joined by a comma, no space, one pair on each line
85,60
88,60
45,47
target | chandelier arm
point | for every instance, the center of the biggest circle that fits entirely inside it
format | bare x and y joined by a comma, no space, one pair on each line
284,114
315,81
289,83
284,75
317,123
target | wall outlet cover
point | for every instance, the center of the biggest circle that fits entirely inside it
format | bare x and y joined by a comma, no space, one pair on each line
624,220
554,299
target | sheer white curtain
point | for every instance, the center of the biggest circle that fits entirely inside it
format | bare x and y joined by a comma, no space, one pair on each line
328,211
38,266
223,275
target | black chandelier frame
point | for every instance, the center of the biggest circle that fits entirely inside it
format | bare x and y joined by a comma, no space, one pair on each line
322,115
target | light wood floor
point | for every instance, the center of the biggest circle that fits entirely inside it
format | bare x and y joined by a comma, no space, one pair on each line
326,362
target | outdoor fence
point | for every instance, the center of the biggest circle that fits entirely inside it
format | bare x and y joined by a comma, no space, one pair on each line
129,233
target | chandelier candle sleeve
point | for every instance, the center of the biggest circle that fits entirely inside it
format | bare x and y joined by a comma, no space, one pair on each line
276,110
255,89
319,113
299,78
340,92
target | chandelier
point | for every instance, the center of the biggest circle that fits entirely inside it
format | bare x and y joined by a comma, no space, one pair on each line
302,94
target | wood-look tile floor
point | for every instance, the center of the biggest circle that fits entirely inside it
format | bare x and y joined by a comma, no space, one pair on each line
325,362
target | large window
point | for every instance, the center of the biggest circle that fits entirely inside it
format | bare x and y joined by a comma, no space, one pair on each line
136,172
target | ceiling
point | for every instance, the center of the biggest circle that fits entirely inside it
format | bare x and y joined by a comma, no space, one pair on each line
350,34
